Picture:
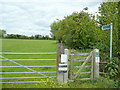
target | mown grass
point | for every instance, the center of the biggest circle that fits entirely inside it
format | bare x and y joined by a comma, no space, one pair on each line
19,45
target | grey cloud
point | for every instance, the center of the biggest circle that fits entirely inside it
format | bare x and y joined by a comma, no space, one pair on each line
35,17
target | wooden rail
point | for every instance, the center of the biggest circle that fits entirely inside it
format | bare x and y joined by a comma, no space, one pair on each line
83,73
84,79
87,66
80,54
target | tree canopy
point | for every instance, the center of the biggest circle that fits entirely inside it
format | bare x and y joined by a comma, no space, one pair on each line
77,30
108,14
2,33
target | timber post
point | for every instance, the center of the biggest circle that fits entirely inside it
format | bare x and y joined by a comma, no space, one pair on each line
62,63
96,60
92,67
71,65
60,50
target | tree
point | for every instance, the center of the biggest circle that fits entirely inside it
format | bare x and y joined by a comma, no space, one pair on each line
47,37
54,28
2,33
38,36
32,37
108,14
76,31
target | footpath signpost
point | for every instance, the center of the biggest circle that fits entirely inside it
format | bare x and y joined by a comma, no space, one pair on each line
105,27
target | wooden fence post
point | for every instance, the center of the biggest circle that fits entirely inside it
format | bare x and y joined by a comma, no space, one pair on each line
96,61
62,64
71,65
92,67
60,50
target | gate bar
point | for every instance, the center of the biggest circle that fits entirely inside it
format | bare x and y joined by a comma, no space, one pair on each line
30,59
25,77
25,72
27,53
24,82
24,66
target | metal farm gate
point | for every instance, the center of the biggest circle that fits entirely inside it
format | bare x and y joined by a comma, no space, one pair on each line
31,71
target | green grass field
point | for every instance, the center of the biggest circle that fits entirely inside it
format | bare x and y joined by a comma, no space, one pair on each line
27,46
19,45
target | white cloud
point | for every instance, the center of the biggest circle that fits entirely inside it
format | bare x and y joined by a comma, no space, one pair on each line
34,17
52,0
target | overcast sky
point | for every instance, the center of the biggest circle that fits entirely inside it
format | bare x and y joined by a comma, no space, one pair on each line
30,17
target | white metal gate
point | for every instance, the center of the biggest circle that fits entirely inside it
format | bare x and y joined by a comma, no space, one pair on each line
26,67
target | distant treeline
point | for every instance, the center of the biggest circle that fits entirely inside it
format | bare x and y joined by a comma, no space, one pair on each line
18,36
